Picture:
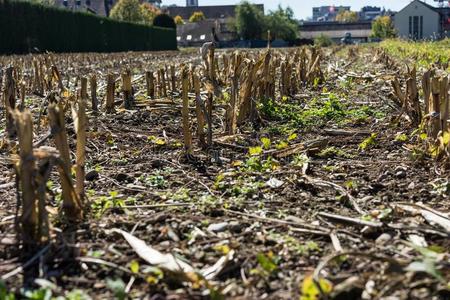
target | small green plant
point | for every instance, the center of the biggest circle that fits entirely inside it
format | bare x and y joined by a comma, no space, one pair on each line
268,264
39,294
4,293
219,182
331,152
255,151
368,142
441,187
57,192
157,180
117,286
282,145
95,253
351,185
103,203
208,203
426,263
300,160
310,290
292,137
119,161
293,244
256,164
76,295
156,141
181,195
330,168
401,137
134,266
153,274
110,142
316,82
347,83
266,143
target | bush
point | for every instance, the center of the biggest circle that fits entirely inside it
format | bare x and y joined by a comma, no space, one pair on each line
59,30
178,20
323,41
383,28
197,17
164,20
149,12
128,11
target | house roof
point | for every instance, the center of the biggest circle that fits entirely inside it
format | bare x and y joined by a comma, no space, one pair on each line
428,5
439,10
210,12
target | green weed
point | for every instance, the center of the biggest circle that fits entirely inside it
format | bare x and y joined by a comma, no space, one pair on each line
103,203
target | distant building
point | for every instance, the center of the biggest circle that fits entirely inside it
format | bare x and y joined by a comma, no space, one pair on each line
156,3
192,3
419,20
328,13
195,34
210,12
360,31
370,13
97,7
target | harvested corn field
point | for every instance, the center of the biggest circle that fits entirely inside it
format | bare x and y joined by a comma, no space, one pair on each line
303,173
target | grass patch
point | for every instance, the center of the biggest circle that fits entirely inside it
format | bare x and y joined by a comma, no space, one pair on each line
423,53
317,113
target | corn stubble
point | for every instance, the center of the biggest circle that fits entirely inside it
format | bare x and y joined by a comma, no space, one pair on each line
431,116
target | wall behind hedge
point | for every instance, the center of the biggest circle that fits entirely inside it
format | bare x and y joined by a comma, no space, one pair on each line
25,26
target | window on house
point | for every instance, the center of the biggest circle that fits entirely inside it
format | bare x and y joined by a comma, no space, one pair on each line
416,27
421,28
223,27
65,3
78,2
410,27
88,2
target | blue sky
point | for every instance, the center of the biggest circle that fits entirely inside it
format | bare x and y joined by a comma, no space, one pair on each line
303,8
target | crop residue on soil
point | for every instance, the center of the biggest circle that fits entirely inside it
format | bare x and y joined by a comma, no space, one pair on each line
320,191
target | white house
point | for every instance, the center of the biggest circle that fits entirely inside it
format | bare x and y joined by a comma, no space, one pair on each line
419,20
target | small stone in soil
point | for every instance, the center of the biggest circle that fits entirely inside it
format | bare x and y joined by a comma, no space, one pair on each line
218,227
383,239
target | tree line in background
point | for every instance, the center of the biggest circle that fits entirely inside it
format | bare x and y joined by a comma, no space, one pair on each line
250,23
135,12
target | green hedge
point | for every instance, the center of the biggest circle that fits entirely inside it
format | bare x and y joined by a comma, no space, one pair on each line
25,26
